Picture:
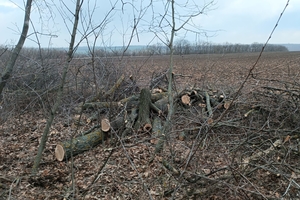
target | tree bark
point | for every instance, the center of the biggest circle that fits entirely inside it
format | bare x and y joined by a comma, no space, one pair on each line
157,130
162,104
78,145
144,111
55,107
208,106
131,101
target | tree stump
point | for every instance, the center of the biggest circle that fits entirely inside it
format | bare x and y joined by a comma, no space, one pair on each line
143,120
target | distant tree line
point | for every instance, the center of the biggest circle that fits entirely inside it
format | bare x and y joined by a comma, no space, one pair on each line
183,47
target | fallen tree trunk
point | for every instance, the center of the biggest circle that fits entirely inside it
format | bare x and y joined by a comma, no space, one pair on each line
163,104
131,101
108,104
78,145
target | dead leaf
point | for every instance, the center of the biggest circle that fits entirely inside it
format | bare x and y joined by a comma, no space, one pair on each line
287,139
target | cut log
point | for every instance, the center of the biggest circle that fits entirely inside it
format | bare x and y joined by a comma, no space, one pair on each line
117,123
105,125
131,102
186,100
162,104
78,145
144,111
155,108
157,130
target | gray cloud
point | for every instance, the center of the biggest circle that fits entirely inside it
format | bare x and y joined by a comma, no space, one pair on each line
235,21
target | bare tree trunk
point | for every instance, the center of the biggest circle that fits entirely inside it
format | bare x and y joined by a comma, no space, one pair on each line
167,125
143,120
11,62
59,93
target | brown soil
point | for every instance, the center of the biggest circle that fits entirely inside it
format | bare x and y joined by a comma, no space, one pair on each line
210,157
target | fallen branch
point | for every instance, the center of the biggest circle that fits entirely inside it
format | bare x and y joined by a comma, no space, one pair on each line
170,168
131,102
208,106
162,104
109,92
277,143
158,132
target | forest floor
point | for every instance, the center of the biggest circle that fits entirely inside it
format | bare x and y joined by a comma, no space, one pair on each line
253,156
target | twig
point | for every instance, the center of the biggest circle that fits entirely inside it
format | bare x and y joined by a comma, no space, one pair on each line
259,154
208,105
17,180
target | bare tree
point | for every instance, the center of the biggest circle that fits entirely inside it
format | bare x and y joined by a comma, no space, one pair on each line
60,91
91,32
166,26
16,51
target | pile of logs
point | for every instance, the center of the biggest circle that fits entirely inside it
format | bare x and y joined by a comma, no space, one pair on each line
137,118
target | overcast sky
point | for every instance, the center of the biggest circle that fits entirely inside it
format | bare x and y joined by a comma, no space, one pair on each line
233,21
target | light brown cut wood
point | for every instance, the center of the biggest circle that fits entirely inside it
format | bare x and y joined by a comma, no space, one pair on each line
59,152
186,100
105,125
